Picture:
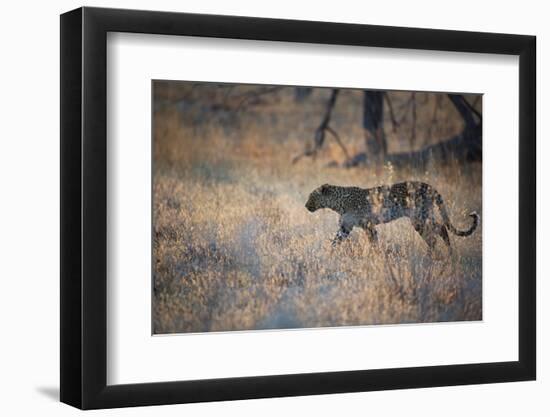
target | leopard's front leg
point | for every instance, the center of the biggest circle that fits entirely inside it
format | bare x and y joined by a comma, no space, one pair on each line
347,222
342,234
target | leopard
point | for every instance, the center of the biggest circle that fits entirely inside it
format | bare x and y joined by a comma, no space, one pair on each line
367,208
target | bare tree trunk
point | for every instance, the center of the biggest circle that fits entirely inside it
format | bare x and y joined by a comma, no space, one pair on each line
413,129
373,118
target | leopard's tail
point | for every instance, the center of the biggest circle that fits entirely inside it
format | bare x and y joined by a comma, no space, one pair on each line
447,220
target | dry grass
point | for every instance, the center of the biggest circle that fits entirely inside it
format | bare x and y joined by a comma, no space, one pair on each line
235,248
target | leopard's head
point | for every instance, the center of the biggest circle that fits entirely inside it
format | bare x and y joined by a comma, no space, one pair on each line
320,197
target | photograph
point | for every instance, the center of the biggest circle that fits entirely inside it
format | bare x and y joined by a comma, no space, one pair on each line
298,207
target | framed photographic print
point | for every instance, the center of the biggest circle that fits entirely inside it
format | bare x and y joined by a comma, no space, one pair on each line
257,208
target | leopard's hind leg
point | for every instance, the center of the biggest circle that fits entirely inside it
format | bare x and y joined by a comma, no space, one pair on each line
429,232
445,236
424,222
426,230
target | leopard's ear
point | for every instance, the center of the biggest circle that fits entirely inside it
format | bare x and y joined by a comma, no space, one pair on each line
325,188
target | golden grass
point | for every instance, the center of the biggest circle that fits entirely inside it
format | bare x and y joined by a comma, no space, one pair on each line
235,249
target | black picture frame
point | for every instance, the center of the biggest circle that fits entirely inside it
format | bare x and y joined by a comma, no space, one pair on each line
84,207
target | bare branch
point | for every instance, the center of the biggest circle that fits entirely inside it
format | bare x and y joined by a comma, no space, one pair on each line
464,108
337,138
320,132
437,106
255,94
405,107
413,130
472,107
394,122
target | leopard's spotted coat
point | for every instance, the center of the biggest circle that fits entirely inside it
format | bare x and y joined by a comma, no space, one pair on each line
368,207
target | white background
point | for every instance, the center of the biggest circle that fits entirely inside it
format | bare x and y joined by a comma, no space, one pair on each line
30,206
134,356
